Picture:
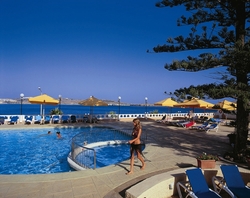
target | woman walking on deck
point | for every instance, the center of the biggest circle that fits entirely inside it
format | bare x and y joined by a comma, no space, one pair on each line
136,146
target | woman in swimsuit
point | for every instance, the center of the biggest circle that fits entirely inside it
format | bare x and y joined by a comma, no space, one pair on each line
136,145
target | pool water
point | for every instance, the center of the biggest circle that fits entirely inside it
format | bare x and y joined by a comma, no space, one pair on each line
110,154
33,151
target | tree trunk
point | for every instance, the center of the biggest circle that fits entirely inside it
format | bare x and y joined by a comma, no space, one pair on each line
242,119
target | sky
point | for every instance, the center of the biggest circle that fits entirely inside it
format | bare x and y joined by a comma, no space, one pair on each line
83,48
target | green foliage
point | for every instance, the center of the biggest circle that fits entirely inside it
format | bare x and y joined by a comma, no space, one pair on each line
56,111
112,114
205,156
154,111
220,31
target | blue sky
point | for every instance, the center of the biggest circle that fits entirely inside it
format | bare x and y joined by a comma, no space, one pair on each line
80,48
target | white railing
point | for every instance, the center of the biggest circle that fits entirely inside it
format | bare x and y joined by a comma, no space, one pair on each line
83,118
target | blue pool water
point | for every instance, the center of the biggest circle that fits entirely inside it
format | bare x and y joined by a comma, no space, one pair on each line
33,151
109,154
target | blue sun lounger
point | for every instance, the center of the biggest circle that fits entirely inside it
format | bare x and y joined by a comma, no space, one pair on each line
47,119
73,119
2,118
234,184
64,119
197,187
28,119
38,119
13,120
55,119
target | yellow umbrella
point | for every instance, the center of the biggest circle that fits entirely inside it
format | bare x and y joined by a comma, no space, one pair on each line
166,102
227,105
43,99
92,101
195,103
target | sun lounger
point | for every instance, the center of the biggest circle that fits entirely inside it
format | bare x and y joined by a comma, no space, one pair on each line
73,119
47,119
162,119
28,119
65,119
210,128
202,119
13,120
197,186
181,123
189,124
202,126
231,182
2,119
37,119
55,119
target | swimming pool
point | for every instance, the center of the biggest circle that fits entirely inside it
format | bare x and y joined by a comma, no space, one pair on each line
34,151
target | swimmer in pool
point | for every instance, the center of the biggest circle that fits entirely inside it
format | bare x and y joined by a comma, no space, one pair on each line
58,134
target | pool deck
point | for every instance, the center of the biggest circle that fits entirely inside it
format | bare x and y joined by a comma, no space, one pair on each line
167,148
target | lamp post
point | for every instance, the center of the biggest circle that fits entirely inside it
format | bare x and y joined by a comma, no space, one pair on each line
21,107
60,100
119,101
41,106
146,106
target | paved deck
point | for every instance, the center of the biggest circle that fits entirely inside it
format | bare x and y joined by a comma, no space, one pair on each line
167,148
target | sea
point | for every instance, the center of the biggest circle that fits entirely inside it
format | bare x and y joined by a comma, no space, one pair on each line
34,109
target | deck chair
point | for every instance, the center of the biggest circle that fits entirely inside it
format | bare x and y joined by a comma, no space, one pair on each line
73,119
213,126
189,124
13,120
2,118
201,126
47,119
65,119
197,187
55,119
37,119
234,184
28,119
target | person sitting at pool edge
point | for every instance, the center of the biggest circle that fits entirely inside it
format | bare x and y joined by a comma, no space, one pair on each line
58,134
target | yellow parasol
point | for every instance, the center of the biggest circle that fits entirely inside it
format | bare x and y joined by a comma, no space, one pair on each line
227,105
168,102
43,99
195,103
92,101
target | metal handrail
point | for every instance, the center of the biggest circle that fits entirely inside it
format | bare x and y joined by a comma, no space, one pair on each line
85,156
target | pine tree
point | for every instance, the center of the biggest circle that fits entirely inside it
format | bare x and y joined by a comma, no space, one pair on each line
221,30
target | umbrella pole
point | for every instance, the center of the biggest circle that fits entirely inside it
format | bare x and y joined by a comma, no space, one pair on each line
41,109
